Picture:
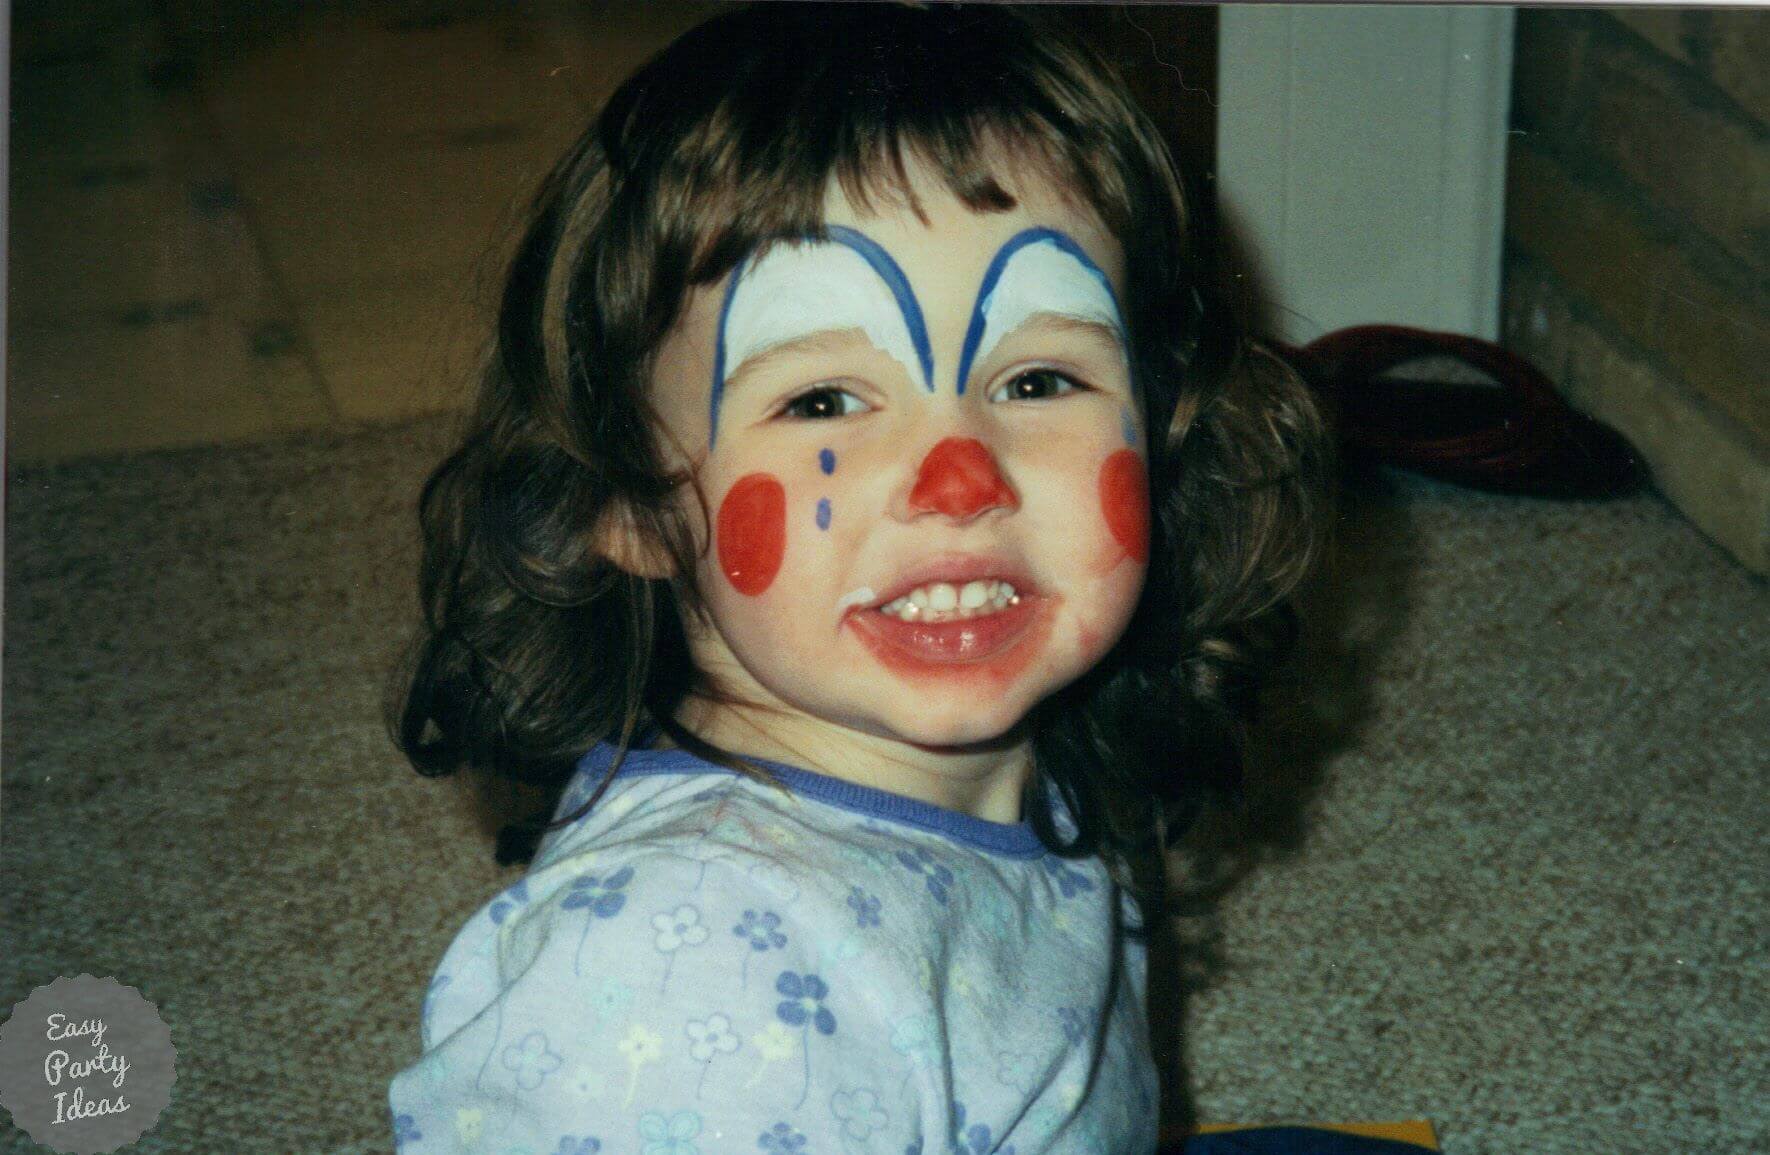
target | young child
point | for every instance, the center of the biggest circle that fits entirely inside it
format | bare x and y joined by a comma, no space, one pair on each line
870,536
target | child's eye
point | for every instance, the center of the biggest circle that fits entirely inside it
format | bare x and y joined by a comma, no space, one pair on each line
1034,385
824,402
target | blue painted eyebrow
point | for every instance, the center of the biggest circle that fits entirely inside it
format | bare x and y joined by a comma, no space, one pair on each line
998,264
731,289
875,255
880,262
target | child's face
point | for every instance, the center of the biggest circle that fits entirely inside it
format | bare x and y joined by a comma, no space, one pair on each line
923,461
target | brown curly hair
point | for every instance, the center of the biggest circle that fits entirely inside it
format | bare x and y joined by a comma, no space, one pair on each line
534,647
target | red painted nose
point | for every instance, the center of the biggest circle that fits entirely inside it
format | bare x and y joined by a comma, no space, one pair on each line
959,478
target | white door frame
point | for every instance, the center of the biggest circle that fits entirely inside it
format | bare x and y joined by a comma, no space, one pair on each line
1361,161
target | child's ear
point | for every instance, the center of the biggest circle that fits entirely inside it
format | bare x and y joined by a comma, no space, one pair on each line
619,538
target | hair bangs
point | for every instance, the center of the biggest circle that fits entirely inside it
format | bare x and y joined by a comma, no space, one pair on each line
983,107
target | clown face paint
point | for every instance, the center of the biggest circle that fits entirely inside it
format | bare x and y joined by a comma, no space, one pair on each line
960,478
752,533
1124,503
1039,271
799,289
980,549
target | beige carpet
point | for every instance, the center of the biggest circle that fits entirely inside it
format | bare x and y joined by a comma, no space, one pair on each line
1506,869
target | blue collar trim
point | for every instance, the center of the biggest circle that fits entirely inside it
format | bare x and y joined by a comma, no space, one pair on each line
1016,839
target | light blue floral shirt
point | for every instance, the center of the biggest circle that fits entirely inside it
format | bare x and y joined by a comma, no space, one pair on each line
704,964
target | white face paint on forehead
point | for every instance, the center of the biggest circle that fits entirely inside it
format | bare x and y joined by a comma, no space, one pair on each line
1037,272
802,288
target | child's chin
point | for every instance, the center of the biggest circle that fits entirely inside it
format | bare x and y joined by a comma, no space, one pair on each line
951,732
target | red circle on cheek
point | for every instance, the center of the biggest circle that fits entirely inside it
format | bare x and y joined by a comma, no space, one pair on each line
1124,500
752,532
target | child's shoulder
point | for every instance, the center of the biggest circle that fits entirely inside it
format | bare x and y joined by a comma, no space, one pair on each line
671,801
671,804
669,819
670,823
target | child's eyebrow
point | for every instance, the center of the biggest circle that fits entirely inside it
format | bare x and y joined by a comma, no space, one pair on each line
821,341
1069,325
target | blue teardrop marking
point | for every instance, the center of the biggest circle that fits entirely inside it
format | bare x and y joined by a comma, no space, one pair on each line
826,461
823,513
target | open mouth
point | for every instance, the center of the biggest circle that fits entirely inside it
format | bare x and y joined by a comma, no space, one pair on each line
947,602
952,623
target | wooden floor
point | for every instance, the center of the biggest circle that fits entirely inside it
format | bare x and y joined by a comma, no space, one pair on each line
233,221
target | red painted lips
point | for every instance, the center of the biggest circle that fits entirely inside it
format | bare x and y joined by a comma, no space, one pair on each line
994,646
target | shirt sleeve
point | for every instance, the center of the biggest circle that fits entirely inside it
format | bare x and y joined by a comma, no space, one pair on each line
658,1002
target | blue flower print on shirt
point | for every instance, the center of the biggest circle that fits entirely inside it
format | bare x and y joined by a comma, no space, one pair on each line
531,1060
972,1140
509,901
859,1111
804,1007
761,930
1069,880
572,1145
762,933
805,996
602,897
781,1139
939,878
1071,1018
977,1141
864,905
405,1130
669,1137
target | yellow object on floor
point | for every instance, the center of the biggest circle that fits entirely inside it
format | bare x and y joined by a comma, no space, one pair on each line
1417,1131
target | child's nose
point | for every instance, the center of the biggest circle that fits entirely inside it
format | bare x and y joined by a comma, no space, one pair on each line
960,479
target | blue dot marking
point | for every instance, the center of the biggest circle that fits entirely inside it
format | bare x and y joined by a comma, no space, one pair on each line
826,461
823,512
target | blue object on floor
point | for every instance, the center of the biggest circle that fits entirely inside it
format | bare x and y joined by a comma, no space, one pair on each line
1294,1141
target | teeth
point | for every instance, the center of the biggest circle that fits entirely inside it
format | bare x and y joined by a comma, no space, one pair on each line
941,601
